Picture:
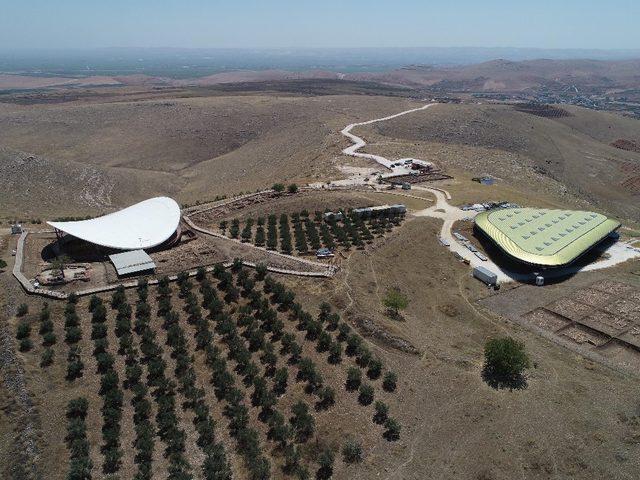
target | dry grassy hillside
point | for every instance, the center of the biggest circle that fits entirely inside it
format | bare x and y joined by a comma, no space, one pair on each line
193,148
35,187
572,150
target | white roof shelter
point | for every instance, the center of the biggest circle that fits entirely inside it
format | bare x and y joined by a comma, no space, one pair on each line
143,225
132,262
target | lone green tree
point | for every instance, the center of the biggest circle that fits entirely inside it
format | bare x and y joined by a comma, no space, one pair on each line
506,360
395,301
59,262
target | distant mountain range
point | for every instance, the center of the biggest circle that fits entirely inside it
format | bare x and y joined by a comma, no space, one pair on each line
190,63
497,76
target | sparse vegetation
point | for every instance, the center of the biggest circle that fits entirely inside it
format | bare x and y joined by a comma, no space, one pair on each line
80,465
395,301
352,452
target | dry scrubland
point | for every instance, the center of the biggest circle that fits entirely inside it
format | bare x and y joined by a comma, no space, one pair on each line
93,155
196,144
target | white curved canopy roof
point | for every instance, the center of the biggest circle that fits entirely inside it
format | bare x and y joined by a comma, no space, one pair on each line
143,225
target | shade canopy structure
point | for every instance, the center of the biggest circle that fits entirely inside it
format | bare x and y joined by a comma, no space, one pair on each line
144,225
133,261
548,238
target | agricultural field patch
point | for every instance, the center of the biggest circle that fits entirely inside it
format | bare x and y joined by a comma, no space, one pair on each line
305,233
229,363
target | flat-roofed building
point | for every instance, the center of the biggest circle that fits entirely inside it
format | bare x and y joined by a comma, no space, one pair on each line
132,262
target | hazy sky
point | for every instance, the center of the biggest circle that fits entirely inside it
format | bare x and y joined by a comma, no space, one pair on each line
611,24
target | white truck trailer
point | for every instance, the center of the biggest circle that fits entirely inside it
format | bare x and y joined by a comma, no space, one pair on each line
485,275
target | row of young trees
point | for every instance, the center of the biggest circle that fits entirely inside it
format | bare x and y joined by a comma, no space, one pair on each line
48,336
73,335
225,389
260,326
319,332
254,332
163,390
23,335
301,424
143,443
285,235
351,230
80,464
215,465
109,388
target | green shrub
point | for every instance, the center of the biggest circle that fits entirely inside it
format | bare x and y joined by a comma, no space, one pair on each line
75,366
48,339
382,412
352,451
46,358
389,381
23,309
326,398
77,408
302,422
365,396
392,430
505,357
335,353
23,330
375,369
354,379
325,461
73,335
25,345
395,301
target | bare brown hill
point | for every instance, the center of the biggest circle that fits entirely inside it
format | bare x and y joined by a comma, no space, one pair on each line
509,76
36,187
194,148
573,150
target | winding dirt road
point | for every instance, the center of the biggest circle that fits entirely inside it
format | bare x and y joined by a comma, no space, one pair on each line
617,252
359,142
